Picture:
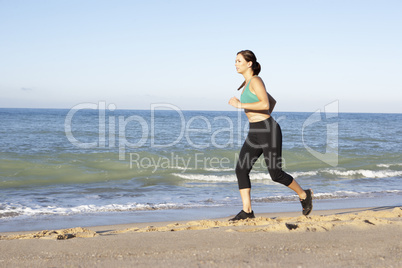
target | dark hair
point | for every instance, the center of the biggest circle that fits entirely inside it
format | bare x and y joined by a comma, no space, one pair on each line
248,55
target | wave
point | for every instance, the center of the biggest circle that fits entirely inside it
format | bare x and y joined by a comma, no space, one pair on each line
207,178
265,177
203,169
334,195
14,210
353,194
389,165
360,173
254,176
219,169
304,174
363,173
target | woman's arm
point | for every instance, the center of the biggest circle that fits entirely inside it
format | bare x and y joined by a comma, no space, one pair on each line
272,103
259,89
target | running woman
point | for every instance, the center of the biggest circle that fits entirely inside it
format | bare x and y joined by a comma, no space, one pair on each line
264,137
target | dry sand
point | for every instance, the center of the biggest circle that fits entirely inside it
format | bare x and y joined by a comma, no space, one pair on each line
352,238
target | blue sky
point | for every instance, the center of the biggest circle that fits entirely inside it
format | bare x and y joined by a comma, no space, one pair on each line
57,54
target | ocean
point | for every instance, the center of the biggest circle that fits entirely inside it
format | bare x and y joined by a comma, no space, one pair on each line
97,165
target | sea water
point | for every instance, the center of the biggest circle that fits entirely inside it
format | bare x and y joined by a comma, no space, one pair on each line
96,165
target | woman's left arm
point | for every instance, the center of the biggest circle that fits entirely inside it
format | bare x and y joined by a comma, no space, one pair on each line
272,103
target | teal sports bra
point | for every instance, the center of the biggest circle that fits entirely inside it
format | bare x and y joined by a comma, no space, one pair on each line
247,96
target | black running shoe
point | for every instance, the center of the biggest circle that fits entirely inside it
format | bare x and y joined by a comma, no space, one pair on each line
243,215
307,203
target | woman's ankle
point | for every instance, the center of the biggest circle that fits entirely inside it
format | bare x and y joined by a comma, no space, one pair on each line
303,195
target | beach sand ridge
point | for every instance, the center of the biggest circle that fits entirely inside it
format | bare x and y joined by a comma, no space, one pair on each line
315,223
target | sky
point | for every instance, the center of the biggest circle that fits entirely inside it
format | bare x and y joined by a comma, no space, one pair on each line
62,53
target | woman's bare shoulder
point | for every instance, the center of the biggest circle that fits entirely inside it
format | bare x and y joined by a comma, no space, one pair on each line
257,82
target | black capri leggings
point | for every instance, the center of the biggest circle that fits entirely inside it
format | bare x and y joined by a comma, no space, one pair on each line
264,137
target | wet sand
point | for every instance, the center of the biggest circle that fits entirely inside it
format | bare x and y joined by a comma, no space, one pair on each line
350,237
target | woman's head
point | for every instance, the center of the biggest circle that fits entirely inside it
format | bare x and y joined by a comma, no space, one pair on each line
246,59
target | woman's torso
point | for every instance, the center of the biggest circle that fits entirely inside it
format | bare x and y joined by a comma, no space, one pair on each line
248,96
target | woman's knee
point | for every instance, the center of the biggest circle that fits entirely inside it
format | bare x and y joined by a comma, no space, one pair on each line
241,171
243,178
279,176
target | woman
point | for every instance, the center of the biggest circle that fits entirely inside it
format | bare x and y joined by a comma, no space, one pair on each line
264,137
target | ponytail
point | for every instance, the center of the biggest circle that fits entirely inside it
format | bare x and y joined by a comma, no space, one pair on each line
256,68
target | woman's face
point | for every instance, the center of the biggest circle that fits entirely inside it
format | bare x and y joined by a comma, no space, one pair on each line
241,64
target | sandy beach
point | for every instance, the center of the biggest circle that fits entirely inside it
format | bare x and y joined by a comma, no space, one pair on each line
367,237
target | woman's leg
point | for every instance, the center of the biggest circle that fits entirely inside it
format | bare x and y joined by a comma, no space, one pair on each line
249,153
273,158
296,187
246,199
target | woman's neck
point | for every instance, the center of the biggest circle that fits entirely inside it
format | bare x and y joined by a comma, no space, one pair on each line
248,76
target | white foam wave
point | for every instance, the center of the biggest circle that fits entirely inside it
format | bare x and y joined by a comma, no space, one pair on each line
255,176
326,195
205,169
304,174
389,165
337,194
12,210
264,176
366,173
219,169
209,178
360,173
384,165
347,194
181,168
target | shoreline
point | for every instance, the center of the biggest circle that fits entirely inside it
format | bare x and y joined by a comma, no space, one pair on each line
330,238
265,215
38,223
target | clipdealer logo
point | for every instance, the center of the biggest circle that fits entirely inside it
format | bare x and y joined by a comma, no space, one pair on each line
331,111
148,130
109,138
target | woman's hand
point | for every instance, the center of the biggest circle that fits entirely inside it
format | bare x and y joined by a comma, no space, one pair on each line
235,102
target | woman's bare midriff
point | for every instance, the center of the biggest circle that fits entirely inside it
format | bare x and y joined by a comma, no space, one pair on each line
256,116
